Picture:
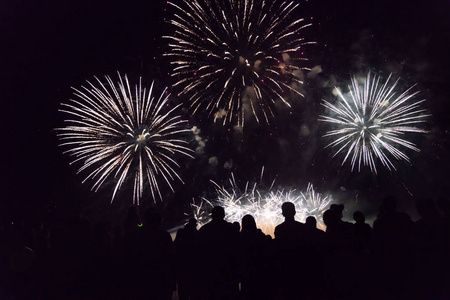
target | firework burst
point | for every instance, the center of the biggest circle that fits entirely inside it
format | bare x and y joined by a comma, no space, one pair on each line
265,207
123,133
201,212
373,122
313,204
236,56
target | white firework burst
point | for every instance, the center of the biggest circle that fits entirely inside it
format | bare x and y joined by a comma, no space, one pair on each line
265,207
123,133
201,212
374,122
236,56
314,204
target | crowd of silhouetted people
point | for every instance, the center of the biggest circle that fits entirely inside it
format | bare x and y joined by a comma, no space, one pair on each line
396,259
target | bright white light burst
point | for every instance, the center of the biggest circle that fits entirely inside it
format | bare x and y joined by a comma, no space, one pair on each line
265,207
237,56
374,122
123,133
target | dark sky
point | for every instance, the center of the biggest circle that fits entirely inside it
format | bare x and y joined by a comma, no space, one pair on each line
48,46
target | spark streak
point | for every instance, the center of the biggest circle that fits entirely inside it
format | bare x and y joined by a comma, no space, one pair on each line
122,133
374,122
265,207
237,55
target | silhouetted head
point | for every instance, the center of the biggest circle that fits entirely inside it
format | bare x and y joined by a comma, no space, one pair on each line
311,222
192,222
191,225
248,224
338,208
330,218
359,217
236,226
218,213
288,210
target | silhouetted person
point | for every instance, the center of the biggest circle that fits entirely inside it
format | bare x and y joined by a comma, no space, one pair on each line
290,231
393,251
186,263
253,260
313,264
363,232
237,227
339,209
313,234
444,205
429,236
132,221
217,242
124,250
289,241
339,255
363,235
331,220
148,257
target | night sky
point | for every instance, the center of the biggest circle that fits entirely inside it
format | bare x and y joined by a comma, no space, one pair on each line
49,46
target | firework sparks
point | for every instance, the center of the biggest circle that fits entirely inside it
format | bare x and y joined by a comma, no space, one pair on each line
313,204
124,133
373,122
237,56
201,212
265,207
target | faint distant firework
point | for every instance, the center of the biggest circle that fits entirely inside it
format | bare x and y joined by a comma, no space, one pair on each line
374,122
265,207
122,133
234,57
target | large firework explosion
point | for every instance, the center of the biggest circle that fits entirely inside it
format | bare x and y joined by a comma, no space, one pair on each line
237,57
265,207
122,133
374,122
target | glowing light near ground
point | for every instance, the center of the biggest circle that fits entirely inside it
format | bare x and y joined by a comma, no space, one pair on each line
374,122
235,57
265,207
122,133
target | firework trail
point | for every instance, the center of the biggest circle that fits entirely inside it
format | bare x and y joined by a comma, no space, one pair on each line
374,122
265,207
234,57
124,133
